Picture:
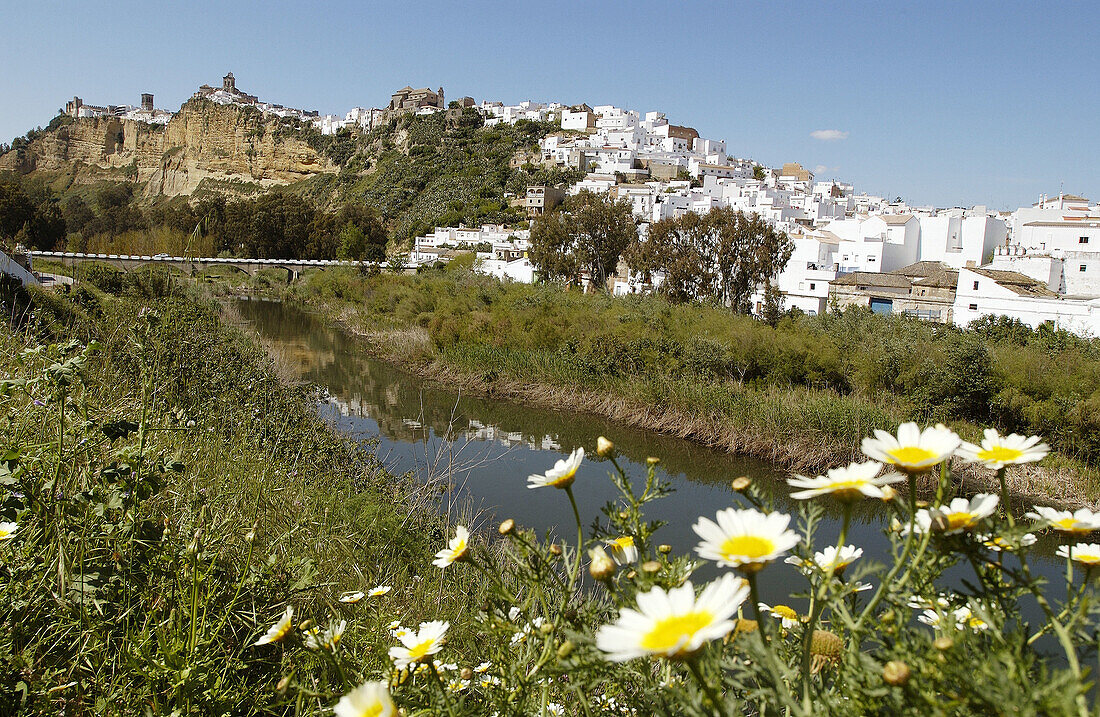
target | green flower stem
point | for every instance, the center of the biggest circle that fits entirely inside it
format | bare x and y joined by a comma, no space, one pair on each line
1064,638
761,629
1006,500
817,606
1069,572
442,687
704,684
580,537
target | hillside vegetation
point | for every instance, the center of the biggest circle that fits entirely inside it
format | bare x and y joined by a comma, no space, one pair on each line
415,172
803,391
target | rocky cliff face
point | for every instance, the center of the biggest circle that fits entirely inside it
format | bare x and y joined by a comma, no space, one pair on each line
203,140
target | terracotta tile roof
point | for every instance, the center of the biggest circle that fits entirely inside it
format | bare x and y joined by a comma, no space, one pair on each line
870,278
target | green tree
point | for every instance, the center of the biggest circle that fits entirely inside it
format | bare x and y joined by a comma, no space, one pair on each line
16,209
722,256
589,234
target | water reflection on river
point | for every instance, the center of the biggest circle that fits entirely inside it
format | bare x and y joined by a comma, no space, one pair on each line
493,445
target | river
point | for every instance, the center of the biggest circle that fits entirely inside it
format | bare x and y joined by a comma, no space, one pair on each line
489,447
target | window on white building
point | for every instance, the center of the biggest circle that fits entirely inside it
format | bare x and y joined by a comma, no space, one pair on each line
975,286
1082,267
812,286
973,307
1082,240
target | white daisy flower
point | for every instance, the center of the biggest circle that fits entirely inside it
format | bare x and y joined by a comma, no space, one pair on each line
561,475
370,699
787,616
912,450
279,630
830,558
918,603
328,639
456,549
966,619
418,646
623,550
1081,520
379,591
998,543
857,480
957,516
483,667
997,451
7,530
1088,554
352,597
673,624
931,617
745,539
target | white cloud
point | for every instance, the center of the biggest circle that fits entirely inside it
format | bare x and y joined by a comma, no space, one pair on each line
829,135
820,168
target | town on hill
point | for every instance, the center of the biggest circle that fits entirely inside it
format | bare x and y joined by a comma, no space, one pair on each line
950,265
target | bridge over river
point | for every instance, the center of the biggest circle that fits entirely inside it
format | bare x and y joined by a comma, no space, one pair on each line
193,265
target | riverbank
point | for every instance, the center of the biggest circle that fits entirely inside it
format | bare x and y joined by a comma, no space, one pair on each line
172,497
647,364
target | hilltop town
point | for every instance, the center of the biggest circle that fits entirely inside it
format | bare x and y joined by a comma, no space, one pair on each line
949,265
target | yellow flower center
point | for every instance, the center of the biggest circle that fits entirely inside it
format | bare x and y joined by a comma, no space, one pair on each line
373,710
1089,560
418,652
910,455
458,551
672,631
624,542
747,546
784,612
959,520
999,453
563,480
1070,525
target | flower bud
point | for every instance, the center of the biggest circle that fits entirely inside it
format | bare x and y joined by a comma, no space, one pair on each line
602,566
604,447
651,461
306,624
282,684
623,515
664,548
741,483
555,550
651,566
566,649
546,628
888,494
943,644
507,527
466,674
896,673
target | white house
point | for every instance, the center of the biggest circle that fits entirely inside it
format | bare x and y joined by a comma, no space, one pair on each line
958,240
989,292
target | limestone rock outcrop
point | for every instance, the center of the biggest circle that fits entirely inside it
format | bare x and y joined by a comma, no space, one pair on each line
204,140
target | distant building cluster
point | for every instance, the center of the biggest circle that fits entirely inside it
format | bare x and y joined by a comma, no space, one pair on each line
76,109
1036,264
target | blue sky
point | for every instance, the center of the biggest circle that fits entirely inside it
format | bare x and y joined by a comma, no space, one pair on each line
942,103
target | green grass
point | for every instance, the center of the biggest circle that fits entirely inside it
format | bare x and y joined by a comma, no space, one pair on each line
174,425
